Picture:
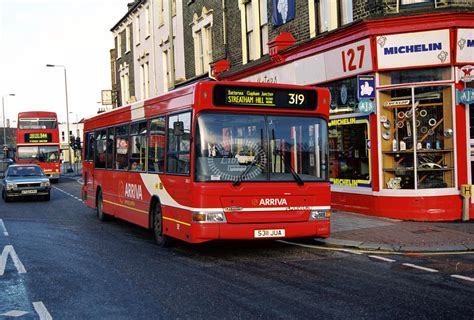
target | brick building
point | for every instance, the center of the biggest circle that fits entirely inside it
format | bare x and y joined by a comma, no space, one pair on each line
400,140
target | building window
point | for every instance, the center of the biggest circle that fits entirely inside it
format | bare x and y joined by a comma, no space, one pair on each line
166,73
127,38
249,34
345,12
349,152
417,137
137,30
263,27
119,46
160,10
145,80
203,49
415,2
173,8
148,22
202,34
327,15
124,84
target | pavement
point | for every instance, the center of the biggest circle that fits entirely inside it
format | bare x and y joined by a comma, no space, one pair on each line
358,231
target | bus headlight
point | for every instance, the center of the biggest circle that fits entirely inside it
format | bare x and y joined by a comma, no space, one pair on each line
11,186
209,217
45,184
319,214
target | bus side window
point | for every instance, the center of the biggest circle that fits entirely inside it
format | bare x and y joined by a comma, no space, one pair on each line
156,145
121,148
179,143
138,145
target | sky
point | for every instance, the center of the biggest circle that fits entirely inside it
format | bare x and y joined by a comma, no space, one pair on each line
72,33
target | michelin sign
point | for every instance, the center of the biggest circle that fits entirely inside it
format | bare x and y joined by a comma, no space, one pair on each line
413,49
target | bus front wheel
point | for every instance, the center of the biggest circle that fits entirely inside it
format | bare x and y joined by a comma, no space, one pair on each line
100,208
160,238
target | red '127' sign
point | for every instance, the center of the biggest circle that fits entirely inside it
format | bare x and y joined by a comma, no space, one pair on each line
352,59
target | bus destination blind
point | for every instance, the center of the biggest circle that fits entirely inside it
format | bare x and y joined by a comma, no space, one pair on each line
275,98
38,137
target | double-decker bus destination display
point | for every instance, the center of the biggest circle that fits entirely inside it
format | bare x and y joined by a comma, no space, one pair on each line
38,137
275,98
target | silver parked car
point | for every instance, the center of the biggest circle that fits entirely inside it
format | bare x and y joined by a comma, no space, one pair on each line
22,180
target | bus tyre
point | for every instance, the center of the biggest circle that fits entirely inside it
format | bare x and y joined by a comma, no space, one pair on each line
161,239
100,208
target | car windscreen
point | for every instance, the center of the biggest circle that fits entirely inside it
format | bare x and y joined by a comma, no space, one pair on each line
24,171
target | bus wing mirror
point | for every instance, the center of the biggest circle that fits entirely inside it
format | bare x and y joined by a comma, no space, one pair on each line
178,128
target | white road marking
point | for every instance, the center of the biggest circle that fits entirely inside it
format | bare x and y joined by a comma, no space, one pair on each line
9,251
5,232
69,194
42,311
319,247
14,313
383,259
420,268
462,277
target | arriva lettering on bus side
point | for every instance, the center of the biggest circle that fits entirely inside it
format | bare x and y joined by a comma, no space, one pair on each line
133,191
272,202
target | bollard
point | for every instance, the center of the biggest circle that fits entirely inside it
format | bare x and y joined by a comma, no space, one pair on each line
466,192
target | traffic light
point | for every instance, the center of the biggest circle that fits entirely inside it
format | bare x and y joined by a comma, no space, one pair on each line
77,143
72,141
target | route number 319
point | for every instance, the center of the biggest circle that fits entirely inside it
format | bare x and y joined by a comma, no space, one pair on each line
296,98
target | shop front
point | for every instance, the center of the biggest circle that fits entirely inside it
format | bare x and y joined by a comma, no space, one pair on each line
404,151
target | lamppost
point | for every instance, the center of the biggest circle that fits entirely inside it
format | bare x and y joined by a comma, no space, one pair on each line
67,112
4,120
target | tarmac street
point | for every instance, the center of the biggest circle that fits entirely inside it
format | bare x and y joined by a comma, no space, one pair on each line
77,267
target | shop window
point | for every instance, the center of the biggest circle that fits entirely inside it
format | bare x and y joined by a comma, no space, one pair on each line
138,143
100,148
121,148
417,138
110,148
349,152
415,75
179,141
343,96
156,145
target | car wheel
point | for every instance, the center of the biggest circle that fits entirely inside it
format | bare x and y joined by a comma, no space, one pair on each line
47,197
100,208
160,238
5,197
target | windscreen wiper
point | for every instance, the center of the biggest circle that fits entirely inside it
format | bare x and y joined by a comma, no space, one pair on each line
247,170
295,175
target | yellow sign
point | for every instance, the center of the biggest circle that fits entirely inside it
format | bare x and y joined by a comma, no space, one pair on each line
466,190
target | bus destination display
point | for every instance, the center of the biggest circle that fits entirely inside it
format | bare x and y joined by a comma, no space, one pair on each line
275,98
38,137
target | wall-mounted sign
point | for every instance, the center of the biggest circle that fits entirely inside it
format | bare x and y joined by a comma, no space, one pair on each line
466,73
397,103
366,106
465,46
465,96
366,87
282,11
425,48
351,59
38,137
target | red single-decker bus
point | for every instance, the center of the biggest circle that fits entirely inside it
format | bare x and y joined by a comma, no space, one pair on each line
214,160
37,141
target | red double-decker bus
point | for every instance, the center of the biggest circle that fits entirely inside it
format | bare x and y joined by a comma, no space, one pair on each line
37,141
214,160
